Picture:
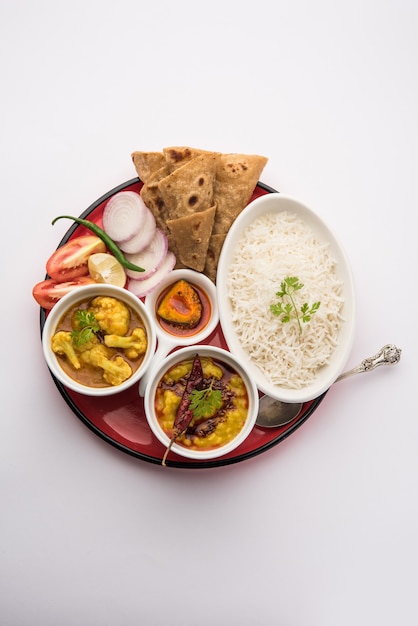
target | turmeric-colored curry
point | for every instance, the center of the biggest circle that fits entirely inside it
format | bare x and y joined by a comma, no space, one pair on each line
216,427
100,342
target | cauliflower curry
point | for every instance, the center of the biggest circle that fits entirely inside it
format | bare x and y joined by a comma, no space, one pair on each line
100,342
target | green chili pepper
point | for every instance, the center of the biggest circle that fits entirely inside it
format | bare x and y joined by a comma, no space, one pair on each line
110,244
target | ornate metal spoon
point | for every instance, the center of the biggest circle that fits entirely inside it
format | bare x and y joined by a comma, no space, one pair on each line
273,413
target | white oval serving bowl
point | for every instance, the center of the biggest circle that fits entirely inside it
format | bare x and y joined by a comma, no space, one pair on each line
222,356
277,202
86,293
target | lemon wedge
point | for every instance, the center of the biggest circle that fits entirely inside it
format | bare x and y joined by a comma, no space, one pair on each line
104,268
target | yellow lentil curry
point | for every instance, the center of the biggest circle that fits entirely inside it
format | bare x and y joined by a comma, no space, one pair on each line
100,342
211,431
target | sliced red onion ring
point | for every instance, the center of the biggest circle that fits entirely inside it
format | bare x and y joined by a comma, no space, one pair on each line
143,238
124,215
142,288
150,258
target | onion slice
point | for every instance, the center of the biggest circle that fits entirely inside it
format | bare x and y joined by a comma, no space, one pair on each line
142,288
124,215
143,237
150,258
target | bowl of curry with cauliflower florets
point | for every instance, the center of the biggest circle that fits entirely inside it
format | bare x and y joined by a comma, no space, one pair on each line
98,340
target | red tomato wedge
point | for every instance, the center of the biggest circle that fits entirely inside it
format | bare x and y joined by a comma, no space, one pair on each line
48,292
70,261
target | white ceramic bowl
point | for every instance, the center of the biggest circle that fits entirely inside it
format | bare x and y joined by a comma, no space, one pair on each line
276,202
88,292
222,356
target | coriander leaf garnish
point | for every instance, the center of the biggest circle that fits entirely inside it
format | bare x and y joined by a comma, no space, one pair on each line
308,312
87,327
205,402
287,308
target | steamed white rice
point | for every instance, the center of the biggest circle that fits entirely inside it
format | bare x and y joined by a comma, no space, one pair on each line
273,247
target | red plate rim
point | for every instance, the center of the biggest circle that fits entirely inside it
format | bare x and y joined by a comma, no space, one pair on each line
84,407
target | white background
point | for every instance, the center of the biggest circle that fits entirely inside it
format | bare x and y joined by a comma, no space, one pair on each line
322,529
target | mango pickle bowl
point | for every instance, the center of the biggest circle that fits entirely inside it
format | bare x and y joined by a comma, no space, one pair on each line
98,340
220,407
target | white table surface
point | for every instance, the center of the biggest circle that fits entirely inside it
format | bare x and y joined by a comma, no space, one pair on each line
322,529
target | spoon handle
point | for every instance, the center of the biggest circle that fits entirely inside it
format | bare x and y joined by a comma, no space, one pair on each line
388,355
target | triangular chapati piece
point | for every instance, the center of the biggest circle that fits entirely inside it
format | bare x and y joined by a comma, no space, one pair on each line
177,156
191,234
212,255
147,163
236,178
189,189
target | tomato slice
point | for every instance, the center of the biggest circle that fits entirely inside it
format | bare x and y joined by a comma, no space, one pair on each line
70,260
49,291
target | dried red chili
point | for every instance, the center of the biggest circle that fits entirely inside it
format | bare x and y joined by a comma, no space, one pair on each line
184,414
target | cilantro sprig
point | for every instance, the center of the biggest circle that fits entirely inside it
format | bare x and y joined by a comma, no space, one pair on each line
87,327
205,402
287,308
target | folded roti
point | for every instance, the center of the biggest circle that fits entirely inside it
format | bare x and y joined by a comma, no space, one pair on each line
147,163
176,156
174,249
189,189
191,235
236,178
195,196
212,256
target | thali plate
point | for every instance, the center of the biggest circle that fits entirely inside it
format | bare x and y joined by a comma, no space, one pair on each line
120,419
